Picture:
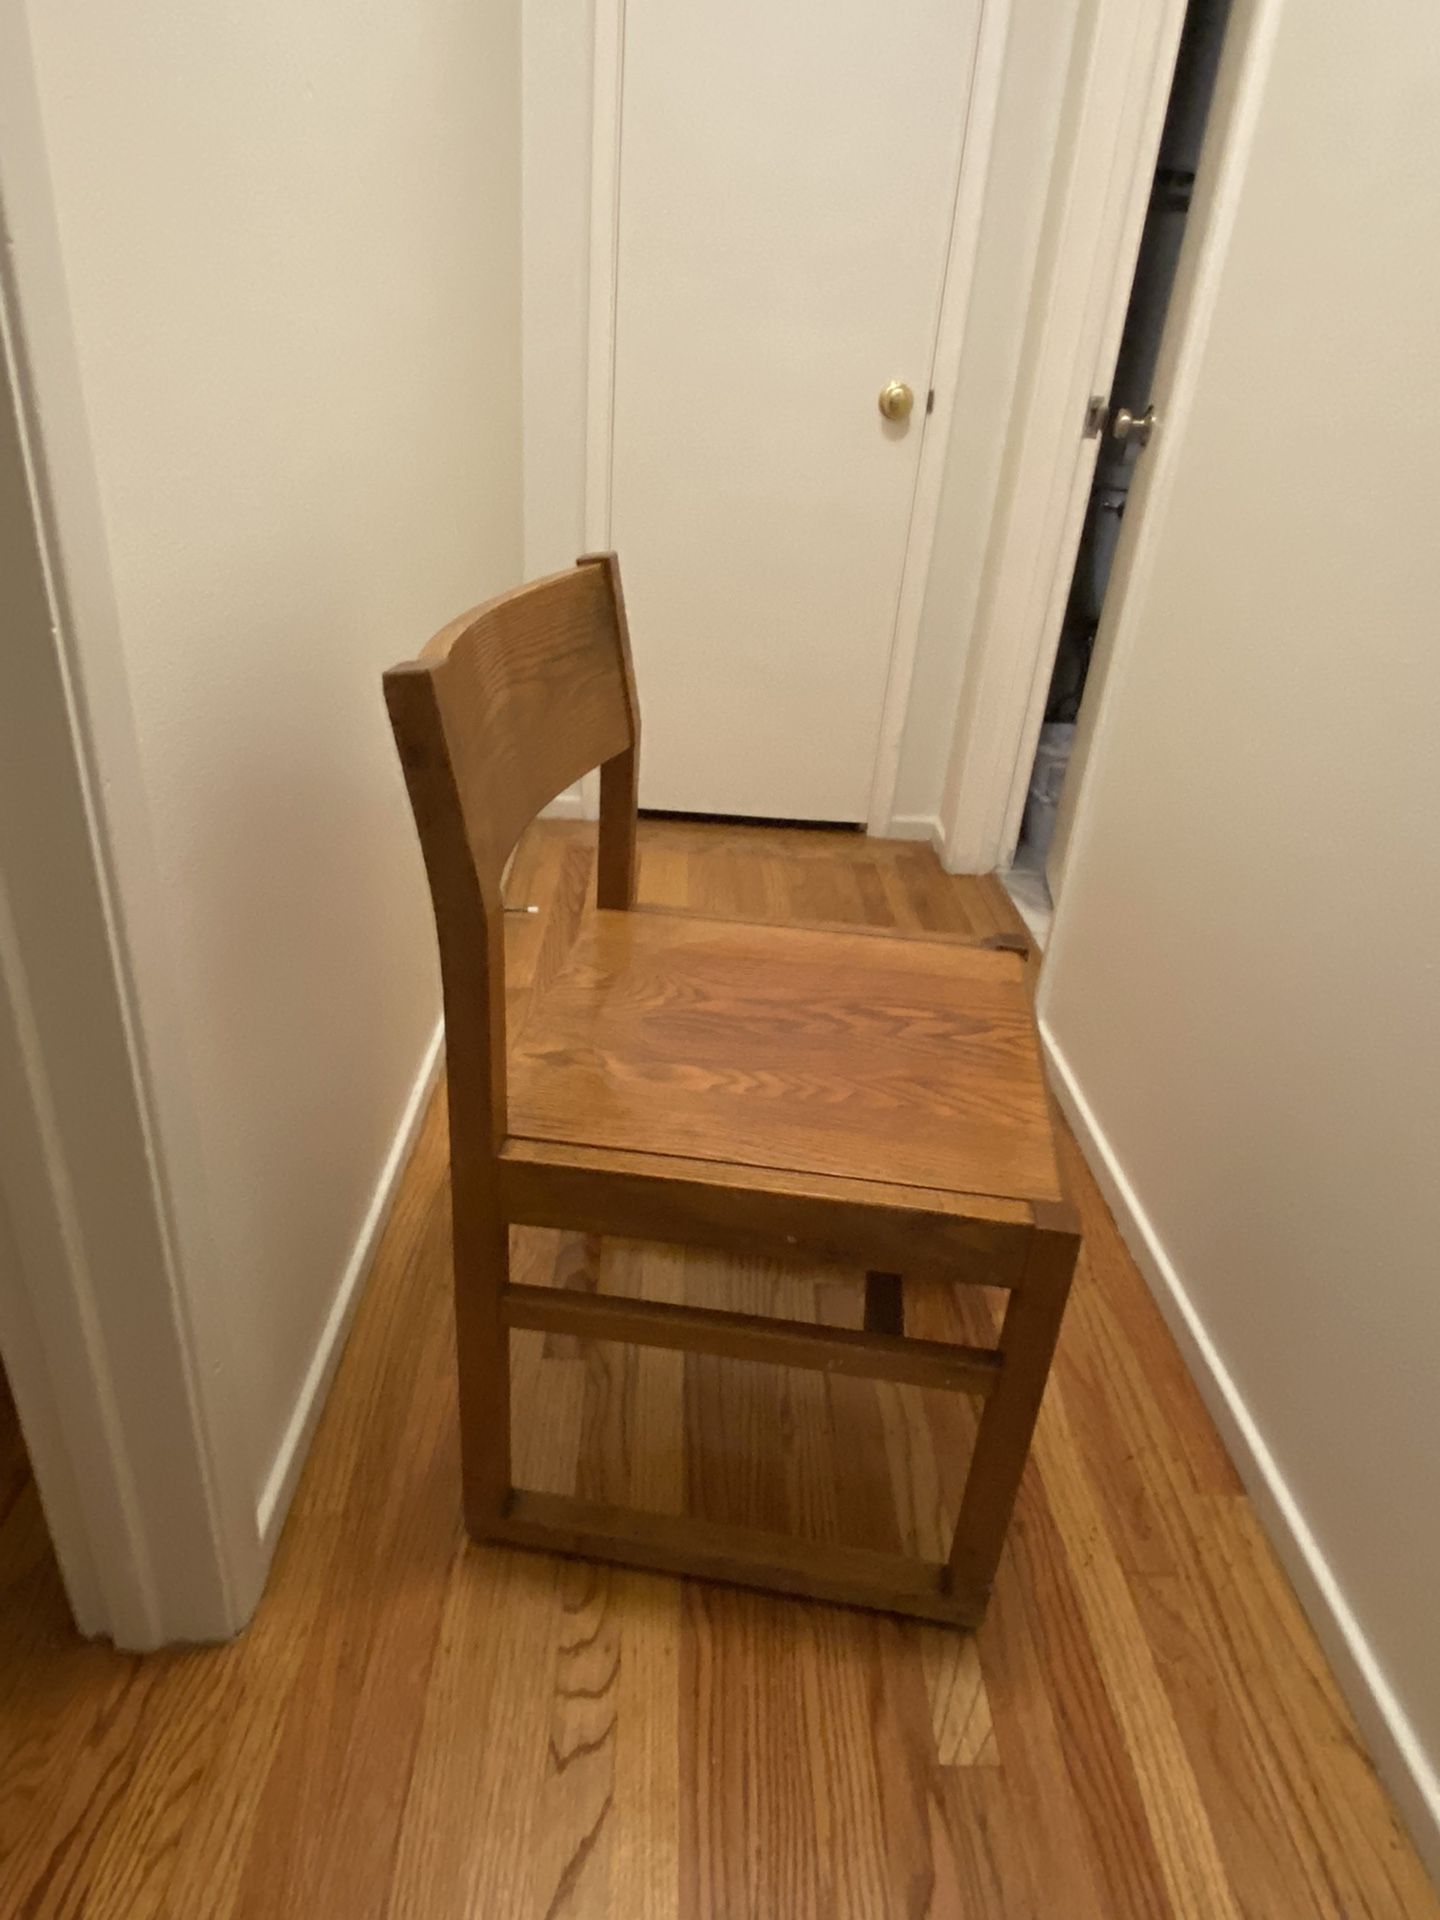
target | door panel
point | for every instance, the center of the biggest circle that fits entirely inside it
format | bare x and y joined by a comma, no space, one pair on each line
787,177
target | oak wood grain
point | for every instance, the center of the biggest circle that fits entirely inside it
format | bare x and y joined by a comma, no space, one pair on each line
906,1062
1144,1676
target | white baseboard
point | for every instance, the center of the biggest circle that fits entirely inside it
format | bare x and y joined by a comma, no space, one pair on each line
1399,1757
927,826
274,1501
914,826
569,805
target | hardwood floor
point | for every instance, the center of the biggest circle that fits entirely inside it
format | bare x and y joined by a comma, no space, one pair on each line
1143,1728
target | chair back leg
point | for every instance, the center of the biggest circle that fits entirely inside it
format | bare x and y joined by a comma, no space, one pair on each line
884,1303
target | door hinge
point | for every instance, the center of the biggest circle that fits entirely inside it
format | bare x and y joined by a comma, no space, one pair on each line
1097,414
930,401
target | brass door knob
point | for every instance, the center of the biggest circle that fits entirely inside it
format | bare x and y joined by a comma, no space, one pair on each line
896,400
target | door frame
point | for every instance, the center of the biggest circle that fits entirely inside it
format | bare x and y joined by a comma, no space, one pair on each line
112,1337
1116,104
116,1364
962,248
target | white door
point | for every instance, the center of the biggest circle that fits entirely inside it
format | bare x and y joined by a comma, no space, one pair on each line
787,181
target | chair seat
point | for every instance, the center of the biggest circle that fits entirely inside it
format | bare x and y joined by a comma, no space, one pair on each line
885,1059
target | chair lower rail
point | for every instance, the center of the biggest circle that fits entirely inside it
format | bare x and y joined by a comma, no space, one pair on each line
735,1556
749,1336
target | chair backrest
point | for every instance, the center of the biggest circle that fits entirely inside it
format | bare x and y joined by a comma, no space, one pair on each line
505,708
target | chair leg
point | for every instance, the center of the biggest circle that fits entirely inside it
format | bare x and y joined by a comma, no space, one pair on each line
1002,1444
884,1303
482,1343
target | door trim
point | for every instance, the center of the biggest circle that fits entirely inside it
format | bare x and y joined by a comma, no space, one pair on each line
112,1336
968,208
605,122
1098,200
962,247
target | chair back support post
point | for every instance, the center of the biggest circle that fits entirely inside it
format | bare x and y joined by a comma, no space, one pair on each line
469,926
507,707
620,775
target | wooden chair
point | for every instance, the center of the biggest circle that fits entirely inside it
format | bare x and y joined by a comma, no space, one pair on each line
869,1099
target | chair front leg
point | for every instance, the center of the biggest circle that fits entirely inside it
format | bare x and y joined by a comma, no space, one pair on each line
1002,1444
482,1344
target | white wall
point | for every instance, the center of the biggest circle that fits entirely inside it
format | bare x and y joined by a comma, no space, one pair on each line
289,235
1242,990
558,88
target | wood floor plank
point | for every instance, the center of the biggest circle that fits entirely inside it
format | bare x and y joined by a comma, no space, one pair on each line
1040,1767
1355,1840
1293,1797
1267,1864
836,1670
748,1840
466,1838
645,1839
328,1825
214,1852
1194,1874
959,1705
1092,1729
980,1862
188,1730
572,1828
1143,1728
66,1779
